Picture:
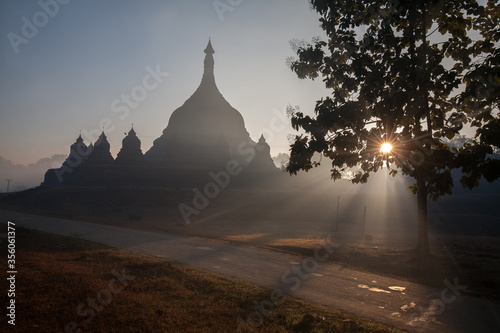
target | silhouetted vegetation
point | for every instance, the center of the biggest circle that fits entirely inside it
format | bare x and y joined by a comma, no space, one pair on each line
408,73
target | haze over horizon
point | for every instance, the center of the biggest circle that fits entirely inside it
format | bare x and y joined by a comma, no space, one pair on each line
72,73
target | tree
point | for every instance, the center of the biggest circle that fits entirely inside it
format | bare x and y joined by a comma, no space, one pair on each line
480,100
398,70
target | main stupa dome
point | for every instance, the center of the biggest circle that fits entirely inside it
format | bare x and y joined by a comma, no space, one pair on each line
204,128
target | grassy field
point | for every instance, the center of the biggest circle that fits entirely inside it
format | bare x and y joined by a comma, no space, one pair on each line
67,284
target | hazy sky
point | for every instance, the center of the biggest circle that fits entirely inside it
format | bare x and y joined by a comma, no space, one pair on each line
70,73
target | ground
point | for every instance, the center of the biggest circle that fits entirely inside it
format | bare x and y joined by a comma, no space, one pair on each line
67,284
257,219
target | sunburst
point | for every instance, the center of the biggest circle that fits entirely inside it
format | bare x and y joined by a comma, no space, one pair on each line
386,148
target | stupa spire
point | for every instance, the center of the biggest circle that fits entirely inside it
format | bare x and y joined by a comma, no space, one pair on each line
208,74
209,49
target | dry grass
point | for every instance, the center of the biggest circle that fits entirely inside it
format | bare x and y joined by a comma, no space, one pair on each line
56,274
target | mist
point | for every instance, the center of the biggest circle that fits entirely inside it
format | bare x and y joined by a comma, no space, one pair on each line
26,176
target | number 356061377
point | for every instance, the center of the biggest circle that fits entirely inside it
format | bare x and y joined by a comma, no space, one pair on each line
11,238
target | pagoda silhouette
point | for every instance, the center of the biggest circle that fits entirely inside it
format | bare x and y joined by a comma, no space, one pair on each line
206,134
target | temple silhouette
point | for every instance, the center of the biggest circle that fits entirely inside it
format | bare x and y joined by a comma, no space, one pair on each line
205,134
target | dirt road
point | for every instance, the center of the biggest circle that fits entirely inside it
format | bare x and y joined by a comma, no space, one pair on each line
409,306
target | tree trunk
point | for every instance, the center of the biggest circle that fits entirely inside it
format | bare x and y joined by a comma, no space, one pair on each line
423,233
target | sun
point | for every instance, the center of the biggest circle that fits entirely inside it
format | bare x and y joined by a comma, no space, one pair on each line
386,148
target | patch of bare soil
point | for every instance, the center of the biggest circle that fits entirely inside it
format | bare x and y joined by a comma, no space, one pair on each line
474,261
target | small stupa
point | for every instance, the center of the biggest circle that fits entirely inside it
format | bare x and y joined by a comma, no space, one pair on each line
130,153
262,160
100,152
78,153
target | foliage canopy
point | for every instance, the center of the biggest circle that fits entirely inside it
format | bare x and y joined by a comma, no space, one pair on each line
413,73
408,73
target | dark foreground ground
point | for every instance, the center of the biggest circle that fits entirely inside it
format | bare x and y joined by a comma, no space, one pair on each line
70,285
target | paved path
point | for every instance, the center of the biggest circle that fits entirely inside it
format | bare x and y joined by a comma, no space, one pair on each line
409,306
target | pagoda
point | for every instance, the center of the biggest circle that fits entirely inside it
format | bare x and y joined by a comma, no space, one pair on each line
100,153
131,152
204,134
202,128
262,160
